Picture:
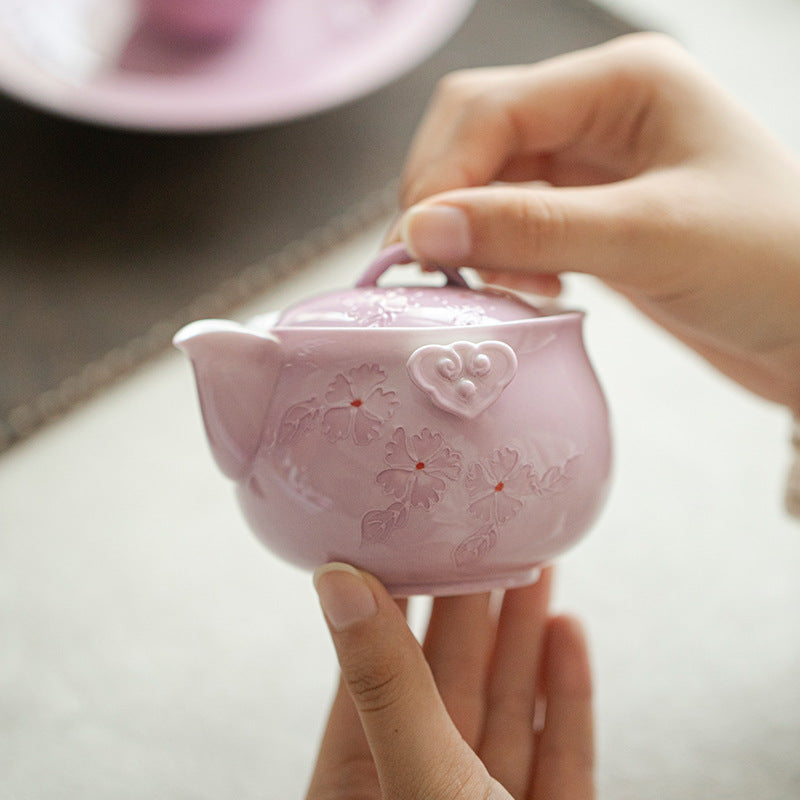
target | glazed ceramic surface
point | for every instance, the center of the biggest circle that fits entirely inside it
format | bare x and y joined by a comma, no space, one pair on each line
198,19
446,439
102,61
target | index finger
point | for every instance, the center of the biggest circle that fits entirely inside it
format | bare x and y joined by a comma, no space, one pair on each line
344,764
563,119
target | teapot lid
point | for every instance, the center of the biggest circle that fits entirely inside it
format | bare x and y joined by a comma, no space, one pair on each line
371,306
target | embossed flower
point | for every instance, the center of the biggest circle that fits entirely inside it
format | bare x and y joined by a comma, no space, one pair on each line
357,405
381,308
498,484
419,466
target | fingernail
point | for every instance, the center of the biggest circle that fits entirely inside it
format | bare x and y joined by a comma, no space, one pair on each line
438,234
344,595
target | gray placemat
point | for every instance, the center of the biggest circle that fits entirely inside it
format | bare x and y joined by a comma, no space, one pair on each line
110,240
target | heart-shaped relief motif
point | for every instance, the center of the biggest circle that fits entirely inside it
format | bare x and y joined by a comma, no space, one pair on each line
463,378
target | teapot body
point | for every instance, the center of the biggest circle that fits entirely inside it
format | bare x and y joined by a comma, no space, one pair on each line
443,460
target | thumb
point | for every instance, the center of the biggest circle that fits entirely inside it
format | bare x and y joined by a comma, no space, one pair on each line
416,748
602,230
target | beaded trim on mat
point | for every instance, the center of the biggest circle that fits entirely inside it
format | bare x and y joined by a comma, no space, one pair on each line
26,419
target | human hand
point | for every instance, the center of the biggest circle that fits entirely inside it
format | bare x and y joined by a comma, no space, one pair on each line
658,183
454,720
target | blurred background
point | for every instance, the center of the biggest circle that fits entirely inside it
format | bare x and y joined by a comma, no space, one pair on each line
110,225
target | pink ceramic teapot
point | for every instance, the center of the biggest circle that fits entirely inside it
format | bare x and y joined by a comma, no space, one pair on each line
446,439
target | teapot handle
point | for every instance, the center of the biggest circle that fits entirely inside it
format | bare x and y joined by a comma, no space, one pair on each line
397,254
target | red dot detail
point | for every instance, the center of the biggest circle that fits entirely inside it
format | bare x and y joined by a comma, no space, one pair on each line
500,486
420,465
356,403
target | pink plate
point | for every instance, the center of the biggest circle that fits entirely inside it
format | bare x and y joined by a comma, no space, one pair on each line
89,59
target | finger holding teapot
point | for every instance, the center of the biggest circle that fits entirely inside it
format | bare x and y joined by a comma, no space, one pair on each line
693,221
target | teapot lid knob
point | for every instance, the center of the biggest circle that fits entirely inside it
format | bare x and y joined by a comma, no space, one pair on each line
397,254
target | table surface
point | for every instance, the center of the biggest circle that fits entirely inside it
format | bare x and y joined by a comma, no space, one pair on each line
151,648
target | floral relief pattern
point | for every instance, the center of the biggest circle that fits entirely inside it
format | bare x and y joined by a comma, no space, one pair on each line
354,407
419,465
423,466
388,307
380,309
498,484
357,405
419,468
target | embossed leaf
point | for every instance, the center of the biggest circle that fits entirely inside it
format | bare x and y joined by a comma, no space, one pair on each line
377,526
296,421
475,547
556,479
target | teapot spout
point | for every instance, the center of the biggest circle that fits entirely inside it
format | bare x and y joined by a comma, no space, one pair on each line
236,370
